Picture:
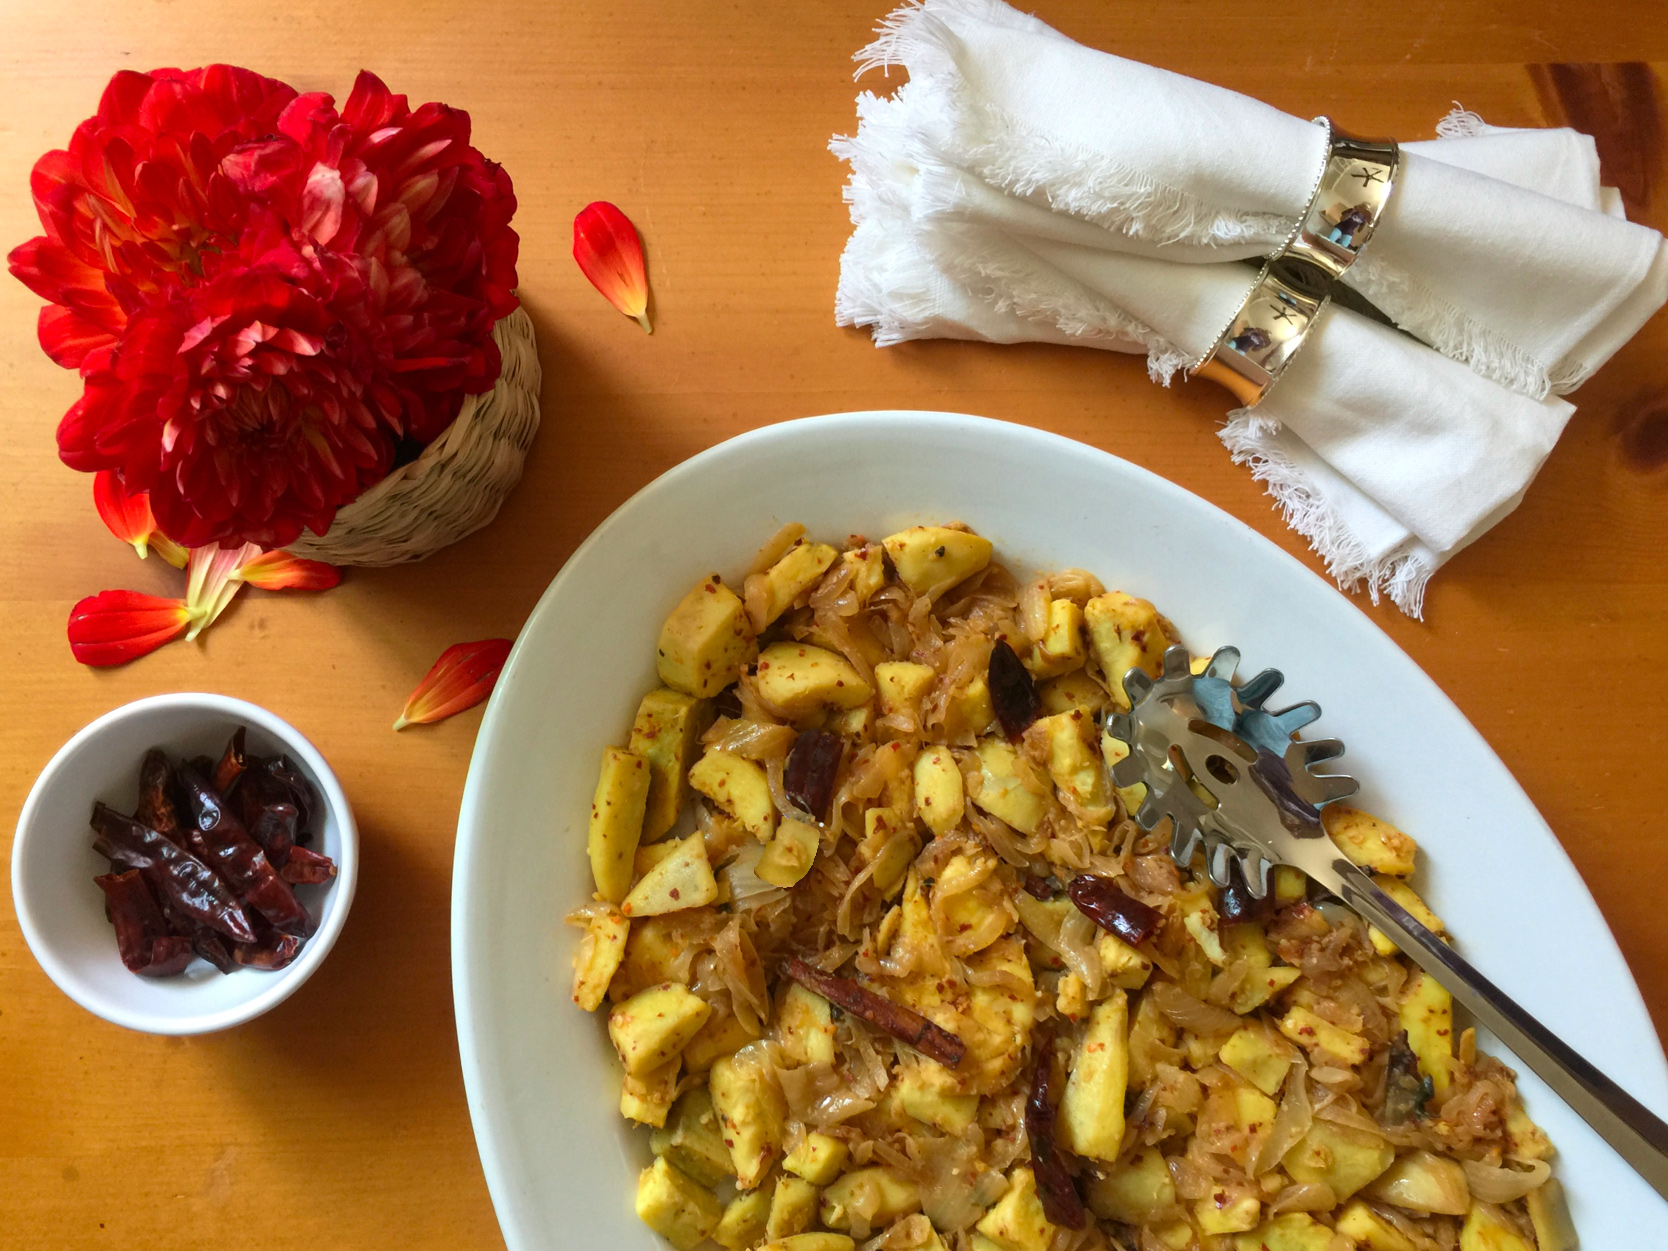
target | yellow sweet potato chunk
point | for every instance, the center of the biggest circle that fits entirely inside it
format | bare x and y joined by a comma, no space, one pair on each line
705,641
675,1206
1017,1222
1091,1118
650,1028
805,1026
1370,1230
879,1193
1133,1192
1549,1214
818,1158
1315,1034
1293,1231
1001,793
900,685
722,1035
1487,1228
1369,841
1063,646
790,855
1426,1012
772,593
1230,1215
1073,690
1259,1057
922,1094
739,787
647,1099
1126,633
1409,899
617,821
793,1207
692,1141
798,680
1076,767
744,1220
598,958
1345,1159
940,796
932,559
819,1241
681,880
666,733
752,1112
968,712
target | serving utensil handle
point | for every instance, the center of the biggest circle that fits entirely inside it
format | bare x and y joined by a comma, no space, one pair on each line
1639,1136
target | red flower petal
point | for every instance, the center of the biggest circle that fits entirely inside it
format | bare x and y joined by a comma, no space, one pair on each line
68,338
610,254
463,676
280,571
127,513
114,627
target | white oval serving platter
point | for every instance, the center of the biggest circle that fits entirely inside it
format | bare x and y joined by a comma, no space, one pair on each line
542,1081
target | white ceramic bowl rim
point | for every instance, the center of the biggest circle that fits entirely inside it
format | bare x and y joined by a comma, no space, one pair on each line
267,989
1600,1009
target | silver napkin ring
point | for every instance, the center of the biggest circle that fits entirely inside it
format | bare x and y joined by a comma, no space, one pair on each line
1295,285
1266,332
1348,201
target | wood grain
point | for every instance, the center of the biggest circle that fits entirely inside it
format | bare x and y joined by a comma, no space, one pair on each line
339,1119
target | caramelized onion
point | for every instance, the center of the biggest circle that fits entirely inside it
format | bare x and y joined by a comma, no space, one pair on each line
1190,1013
1290,1123
1503,1185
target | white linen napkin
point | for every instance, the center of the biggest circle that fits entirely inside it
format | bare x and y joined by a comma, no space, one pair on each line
1529,288
1387,456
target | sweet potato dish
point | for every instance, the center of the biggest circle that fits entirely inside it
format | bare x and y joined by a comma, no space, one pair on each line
887,963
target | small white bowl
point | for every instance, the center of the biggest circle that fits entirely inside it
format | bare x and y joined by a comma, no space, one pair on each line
61,912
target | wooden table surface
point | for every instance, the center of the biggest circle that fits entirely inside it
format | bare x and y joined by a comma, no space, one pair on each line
339,1118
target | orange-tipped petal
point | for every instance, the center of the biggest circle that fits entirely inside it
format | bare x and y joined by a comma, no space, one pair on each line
127,513
280,571
463,676
209,584
610,254
114,627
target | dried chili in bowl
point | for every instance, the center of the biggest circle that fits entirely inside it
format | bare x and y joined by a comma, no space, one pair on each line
208,863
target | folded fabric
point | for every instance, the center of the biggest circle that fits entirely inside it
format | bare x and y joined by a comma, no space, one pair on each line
1388,456
1534,290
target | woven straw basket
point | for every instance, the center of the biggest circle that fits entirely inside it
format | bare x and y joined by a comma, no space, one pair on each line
457,485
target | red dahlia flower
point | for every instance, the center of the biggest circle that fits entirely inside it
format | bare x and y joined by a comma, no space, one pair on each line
263,294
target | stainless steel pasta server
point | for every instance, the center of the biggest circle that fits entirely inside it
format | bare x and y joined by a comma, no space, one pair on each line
1236,783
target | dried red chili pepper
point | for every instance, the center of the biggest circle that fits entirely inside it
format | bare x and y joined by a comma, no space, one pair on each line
274,829
156,799
1040,888
178,876
812,767
1108,907
904,1024
231,763
1238,903
270,952
307,868
142,936
1013,695
219,838
1061,1203
295,785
